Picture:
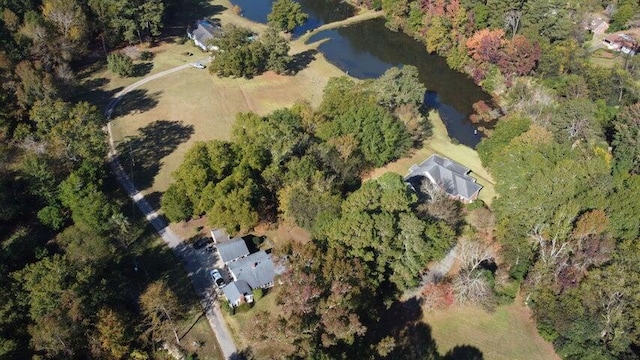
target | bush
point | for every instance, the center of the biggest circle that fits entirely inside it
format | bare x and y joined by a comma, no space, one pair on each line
257,294
244,307
476,204
120,64
224,305
146,55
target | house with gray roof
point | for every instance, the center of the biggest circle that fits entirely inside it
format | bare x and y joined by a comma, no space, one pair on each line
219,236
256,269
202,33
232,250
238,292
448,175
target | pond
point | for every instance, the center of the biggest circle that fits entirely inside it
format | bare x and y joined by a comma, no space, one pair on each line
367,49
320,12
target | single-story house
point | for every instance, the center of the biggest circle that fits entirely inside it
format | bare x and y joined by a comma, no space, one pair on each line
232,250
256,269
202,33
622,42
448,175
597,25
238,292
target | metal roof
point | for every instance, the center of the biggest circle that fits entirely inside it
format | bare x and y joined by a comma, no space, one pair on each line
256,269
452,177
232,250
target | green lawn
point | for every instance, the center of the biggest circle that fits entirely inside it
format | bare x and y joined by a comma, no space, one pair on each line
508,333
238,324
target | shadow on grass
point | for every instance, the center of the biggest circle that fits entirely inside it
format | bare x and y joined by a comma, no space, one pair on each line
142,69
403,322
464,352
92,91
141,155
136,101
301,60
187,13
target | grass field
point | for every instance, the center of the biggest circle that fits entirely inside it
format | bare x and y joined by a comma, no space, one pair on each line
508,333
440,143
241,321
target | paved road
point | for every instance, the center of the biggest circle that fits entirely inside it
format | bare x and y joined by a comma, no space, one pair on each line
197,263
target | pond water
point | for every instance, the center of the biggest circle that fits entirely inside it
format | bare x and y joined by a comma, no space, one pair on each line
367,49
320,12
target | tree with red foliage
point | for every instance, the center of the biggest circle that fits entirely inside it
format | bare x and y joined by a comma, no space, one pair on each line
487,46
520,56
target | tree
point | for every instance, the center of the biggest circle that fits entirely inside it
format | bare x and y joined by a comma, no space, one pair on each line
162,310
400,86
486,46
626,141
120,64
176,204
285,15
112,335
277,49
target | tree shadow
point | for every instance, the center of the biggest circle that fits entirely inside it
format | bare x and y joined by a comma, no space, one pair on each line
92,91
154,199
464,352
187,12
136,101
403,323
141,155
142,69
301,60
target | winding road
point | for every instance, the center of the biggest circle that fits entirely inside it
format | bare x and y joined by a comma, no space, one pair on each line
196,263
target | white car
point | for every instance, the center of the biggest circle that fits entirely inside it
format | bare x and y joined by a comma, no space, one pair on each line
217,278
198,65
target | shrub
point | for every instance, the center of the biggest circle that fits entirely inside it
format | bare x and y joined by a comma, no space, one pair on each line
257,294
224,305
120,64
244,307
146,55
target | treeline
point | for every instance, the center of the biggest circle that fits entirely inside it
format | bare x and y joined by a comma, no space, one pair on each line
371,241
358,126
565,159
40,41
495,41
66,267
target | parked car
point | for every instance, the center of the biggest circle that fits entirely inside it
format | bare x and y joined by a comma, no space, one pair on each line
200,243
198,65
217,278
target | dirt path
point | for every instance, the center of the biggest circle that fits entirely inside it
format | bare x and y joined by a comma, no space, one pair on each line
196,265
366,15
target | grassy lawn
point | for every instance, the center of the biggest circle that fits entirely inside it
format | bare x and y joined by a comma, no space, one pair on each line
238,323
509,333
440,143
162,119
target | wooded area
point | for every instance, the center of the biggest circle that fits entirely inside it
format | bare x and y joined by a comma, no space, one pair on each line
565,157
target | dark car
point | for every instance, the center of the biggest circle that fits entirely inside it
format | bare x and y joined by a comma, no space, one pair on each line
200,243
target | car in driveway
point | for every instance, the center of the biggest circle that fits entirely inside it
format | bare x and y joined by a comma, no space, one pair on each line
198,65
217,278
200,243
